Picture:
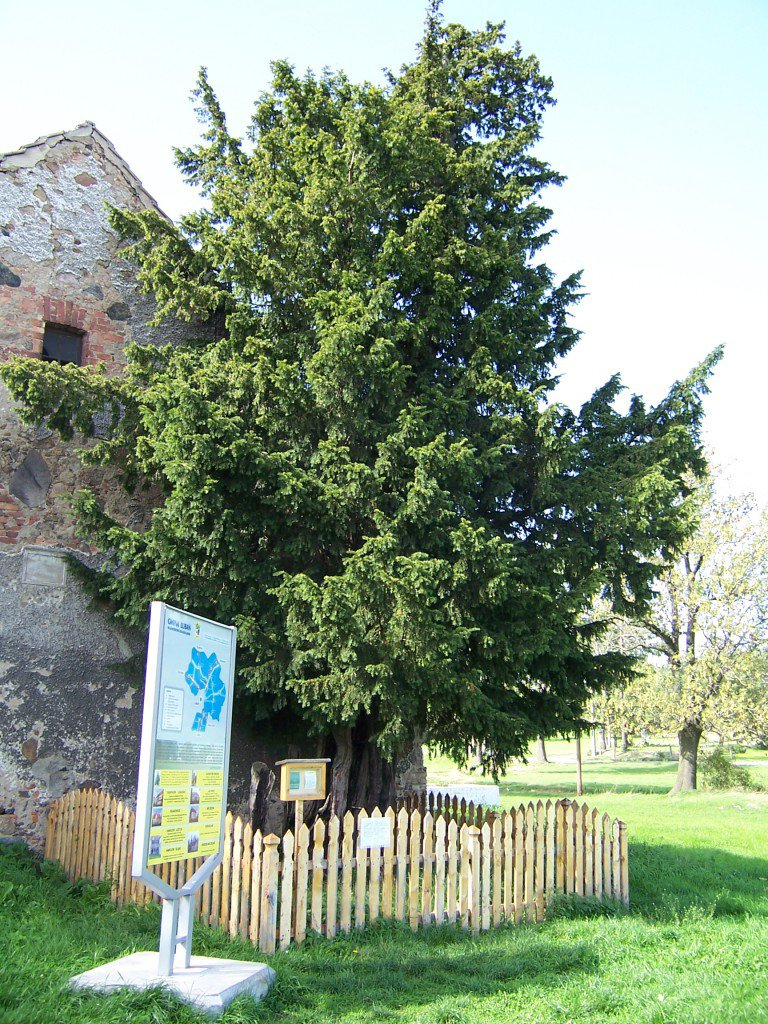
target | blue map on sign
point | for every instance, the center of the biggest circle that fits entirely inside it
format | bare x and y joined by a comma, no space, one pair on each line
204,677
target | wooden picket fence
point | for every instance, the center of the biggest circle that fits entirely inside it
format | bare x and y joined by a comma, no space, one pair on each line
273,891
450,807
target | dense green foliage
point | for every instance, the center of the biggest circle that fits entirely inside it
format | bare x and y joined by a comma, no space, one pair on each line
367,472
692,947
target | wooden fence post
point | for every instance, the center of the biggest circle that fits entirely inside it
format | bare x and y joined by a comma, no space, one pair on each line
331,900
440,853
413,870
237,877
519,863
286,890
624,858
451,905
597,841
389,862
589,853
245,899
464,876
268,922
560,840
616,857
485,872
607,856
346,873
549,867
375,877
302,877
50,829
257,868
427,867
530,863
497,852
473,836
540,845
318,849
402,862
509,865
579,835
361,866
570,848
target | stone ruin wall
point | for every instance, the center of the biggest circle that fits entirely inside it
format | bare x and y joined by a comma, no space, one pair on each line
70,675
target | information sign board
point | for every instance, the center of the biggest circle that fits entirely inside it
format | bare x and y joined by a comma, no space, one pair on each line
302,778
373,833
184,757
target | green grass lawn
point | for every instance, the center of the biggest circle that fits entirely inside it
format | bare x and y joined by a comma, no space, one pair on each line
692,949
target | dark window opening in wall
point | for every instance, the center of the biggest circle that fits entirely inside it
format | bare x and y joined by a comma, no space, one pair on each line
62,345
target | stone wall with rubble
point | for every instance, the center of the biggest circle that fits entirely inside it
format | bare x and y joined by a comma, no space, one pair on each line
70,676
60,264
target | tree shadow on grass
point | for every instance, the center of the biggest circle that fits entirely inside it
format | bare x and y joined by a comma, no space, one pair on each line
665,881
389,970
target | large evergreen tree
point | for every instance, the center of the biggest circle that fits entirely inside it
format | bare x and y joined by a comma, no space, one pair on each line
367,473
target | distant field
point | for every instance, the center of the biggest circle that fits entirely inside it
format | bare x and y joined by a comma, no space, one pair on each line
693,948
646,769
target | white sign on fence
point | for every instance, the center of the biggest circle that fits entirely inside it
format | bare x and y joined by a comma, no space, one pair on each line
374,832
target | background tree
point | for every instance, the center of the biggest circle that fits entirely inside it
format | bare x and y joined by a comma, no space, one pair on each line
708,628
618,713
366,473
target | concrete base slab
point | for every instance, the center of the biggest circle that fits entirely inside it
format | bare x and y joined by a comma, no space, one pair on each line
208,984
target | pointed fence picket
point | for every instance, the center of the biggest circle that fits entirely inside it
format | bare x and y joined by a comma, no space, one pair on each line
473,869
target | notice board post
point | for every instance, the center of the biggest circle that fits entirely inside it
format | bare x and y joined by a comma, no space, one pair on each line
181,804
181,798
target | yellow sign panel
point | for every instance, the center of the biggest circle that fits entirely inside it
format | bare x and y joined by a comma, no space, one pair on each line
186,814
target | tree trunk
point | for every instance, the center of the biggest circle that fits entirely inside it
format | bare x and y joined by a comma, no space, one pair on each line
267,810
579,779
540,756
360,775
603,744
624,740
340,769
688,742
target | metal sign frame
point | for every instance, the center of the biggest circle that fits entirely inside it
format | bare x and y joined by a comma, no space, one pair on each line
178,904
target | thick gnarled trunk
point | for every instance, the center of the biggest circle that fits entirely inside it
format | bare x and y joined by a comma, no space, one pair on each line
688,742
360,775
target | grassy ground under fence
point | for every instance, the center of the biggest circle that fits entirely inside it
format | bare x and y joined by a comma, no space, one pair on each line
693,948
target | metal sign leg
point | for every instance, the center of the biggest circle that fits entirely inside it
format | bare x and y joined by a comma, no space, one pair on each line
176,926
186,924
169,926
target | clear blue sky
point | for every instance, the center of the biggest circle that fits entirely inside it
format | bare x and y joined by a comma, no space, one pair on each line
661,127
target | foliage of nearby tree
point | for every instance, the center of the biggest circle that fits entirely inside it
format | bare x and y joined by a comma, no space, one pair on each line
367,472
708,631
719,772
619,711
